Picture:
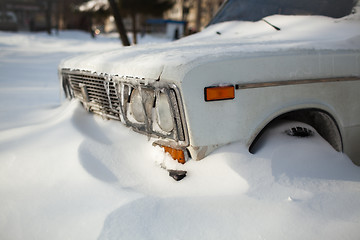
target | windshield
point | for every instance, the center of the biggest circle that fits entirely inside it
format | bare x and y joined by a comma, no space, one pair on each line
255,10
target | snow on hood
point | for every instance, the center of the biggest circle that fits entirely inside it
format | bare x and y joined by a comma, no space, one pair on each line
225,41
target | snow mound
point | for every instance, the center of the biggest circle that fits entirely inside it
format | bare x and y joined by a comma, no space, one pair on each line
68,174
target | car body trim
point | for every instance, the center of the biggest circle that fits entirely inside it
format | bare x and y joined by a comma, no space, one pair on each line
293,82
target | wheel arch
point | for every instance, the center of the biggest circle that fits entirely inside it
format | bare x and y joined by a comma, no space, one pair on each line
322,121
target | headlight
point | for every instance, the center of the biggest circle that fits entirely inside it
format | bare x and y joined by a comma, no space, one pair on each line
141,101
164,116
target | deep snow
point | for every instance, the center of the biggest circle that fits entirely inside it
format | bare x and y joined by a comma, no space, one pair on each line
67,174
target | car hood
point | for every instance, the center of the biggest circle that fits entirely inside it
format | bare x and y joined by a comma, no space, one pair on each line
224,41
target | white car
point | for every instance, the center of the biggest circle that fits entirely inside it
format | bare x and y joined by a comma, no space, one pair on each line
229,82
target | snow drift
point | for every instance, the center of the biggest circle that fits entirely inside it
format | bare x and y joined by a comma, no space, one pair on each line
66,174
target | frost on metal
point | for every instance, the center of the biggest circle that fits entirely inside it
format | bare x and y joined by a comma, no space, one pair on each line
131,102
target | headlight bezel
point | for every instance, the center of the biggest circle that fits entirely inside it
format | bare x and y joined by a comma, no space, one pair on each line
150,126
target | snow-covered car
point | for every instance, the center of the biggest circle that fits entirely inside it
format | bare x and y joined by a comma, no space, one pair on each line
256,62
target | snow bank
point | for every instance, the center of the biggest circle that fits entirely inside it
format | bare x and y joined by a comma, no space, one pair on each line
67,174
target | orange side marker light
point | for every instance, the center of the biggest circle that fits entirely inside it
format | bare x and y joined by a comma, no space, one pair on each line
219,93
176,154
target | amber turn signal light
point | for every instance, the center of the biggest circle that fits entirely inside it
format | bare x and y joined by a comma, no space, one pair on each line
176,154
219,93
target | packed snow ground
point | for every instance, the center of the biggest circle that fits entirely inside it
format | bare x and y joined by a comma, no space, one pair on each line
67,174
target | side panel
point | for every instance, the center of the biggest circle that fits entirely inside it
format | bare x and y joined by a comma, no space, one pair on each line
240,119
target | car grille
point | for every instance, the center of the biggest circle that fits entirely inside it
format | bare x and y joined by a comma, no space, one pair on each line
109,97
99,93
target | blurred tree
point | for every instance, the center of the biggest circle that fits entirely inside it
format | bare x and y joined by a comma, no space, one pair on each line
66,15
131,8
144,7
119,22
96,11
48,14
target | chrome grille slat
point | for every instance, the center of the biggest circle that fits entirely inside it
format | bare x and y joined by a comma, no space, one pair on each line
92,86
99,96
96,92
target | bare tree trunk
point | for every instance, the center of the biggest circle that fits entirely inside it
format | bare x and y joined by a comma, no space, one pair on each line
57,17
119,23
48,16
198,15
134,29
